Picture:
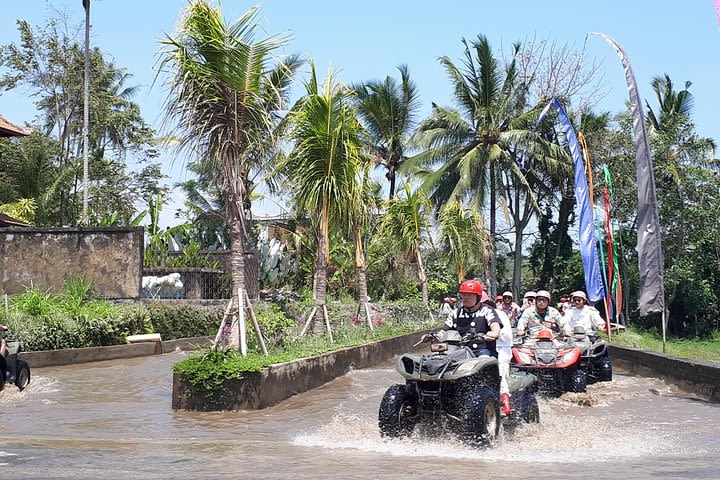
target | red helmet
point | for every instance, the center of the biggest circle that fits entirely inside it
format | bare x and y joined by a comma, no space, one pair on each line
498,297
453,300
544,335
563,299
446,300
471,286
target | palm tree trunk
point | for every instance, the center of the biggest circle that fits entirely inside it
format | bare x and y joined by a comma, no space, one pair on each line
392,176
361,277
237,267
322,254
422,275
493,250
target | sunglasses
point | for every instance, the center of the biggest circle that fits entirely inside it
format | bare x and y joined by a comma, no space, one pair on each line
530,299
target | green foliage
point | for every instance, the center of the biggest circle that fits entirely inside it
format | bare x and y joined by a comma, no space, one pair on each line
697,349
208,369
175,321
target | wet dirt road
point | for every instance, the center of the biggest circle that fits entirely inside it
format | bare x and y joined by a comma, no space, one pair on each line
113,420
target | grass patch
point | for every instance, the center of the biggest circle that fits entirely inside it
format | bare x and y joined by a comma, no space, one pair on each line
707,350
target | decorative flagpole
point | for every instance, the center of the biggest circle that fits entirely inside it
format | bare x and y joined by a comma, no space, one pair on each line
650,257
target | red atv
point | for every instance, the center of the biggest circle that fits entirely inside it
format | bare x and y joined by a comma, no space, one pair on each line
555,363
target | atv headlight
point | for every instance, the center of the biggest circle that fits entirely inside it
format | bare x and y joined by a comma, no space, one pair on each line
523,357
569,356
466,367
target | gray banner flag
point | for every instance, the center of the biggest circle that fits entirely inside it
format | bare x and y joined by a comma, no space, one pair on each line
649,248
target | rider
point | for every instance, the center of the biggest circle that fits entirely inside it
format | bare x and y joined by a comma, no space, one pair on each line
503,345
4,363
528,301
446,308
510,308
583,315
475,317
542,316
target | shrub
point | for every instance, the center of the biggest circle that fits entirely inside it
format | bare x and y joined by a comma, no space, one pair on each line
180,321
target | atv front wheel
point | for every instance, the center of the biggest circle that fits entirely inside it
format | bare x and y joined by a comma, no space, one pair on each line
605,369
577,382
481,417
397,412
22,378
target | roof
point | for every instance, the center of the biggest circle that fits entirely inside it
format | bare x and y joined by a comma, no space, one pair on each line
8,221
8,129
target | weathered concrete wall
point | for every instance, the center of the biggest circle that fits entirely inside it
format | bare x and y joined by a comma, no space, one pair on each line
701,378
278,382
72,356
110,258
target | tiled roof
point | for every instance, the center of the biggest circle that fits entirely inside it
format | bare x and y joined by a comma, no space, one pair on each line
7,129
8,221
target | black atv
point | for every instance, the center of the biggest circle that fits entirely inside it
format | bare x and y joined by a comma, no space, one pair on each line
453,388
594,359
14,370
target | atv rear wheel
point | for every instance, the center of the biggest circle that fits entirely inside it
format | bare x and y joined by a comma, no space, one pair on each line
481,417
397,412
605,369
531,412
22,377
577,382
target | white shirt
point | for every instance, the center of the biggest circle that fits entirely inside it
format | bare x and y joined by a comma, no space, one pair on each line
587,317
505,339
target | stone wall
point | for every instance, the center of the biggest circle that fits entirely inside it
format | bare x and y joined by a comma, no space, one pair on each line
110,258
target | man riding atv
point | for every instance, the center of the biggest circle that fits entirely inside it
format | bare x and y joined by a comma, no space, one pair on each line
476,317
583,315
542,316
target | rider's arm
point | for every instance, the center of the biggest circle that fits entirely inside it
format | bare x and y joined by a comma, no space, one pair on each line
522,323
494,332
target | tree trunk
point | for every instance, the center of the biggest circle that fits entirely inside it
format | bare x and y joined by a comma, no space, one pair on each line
322,254
361,277
423,276
391,176
237,267
493,250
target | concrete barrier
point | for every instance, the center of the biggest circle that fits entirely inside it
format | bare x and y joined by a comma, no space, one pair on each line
257,390
72,356
698,377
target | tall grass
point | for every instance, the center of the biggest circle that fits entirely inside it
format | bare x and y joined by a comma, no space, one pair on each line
707,350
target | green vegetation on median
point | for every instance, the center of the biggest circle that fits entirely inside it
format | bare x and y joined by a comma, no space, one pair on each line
695,349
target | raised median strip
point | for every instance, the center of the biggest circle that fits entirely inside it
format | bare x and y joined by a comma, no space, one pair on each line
271,385
698,377
71,356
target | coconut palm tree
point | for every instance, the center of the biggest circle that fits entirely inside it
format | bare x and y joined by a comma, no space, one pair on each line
474,145
463,236
225,89
323,168
405,225
388,110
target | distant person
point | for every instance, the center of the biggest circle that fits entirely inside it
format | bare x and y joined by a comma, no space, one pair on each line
528,300
510,308
503,345
447,307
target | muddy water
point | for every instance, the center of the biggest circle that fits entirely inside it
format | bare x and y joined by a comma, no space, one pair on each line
113,420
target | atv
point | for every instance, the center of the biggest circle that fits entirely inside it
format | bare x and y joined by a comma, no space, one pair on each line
555,363
594,359
13,369
454,389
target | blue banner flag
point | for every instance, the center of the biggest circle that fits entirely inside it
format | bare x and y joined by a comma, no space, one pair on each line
588,248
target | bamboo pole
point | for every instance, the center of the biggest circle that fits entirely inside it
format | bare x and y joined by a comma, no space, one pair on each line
369,318
241,323
327,323
307,322
228,307
256,325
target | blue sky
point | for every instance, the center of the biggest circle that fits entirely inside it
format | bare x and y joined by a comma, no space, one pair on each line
369,39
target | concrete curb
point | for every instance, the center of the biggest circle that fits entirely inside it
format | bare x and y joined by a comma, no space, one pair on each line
698,377
257,390
71,356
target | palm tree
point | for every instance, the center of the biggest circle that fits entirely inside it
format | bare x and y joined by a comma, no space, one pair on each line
485,137
225,90
387,110
463,236
324,168
405,225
